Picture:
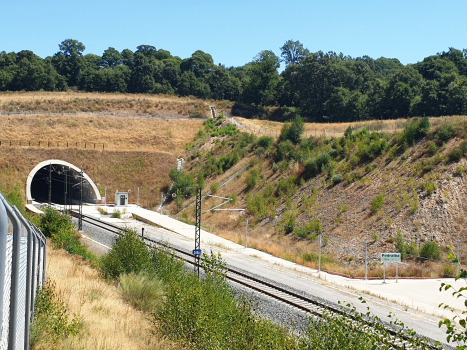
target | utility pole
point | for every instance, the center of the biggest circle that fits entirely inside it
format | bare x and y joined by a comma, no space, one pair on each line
80,216
50,184
65,191
197,251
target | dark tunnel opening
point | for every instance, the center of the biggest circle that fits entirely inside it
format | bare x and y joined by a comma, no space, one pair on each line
64,182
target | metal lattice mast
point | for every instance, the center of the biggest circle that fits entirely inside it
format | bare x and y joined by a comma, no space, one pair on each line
198,228
80,216
50,184
65,191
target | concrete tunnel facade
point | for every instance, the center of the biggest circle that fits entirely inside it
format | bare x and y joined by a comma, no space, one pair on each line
65,182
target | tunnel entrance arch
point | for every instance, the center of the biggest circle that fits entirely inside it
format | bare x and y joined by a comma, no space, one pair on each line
65,179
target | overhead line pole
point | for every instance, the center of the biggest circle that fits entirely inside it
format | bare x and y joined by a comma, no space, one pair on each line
80,217
50,184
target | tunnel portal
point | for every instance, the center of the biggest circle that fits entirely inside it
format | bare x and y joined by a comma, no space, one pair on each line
63,180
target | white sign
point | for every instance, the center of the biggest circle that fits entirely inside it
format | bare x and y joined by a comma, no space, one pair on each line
390,257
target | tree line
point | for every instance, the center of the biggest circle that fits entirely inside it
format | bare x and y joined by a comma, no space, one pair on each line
321,87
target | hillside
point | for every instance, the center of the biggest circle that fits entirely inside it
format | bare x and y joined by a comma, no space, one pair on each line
117,152
363,186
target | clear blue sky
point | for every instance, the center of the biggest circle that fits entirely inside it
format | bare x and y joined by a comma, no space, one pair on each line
233,32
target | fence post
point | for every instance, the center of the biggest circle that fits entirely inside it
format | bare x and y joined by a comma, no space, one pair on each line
319,253
366,260
458,257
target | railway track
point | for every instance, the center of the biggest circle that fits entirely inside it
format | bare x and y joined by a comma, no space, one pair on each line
297,301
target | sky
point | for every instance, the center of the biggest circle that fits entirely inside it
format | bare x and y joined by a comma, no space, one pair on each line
235,31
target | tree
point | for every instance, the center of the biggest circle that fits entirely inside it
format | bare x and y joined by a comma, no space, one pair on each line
292,52
111,57
200,63
261,88
69,60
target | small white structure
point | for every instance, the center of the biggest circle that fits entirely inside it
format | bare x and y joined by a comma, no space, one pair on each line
121,199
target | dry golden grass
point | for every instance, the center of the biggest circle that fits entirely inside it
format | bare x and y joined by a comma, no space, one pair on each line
116,133
109,322
271,128
86,102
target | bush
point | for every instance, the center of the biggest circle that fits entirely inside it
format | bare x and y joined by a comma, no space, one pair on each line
143,291
455,154
430,250
463,147
214,187
129,254
445,133
63,234
264,141
252,179
429,187
415,129
338,178
117,214
313,227
293,131
377,202
52,321
260,151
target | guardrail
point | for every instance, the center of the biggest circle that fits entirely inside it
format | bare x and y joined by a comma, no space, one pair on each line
22,272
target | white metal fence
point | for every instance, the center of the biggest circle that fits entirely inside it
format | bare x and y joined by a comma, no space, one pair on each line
22,271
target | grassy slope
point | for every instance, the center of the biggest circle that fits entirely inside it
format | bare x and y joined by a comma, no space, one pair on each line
138,151
109,322
344,210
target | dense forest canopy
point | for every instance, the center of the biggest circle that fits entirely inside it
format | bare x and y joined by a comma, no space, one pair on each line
320,86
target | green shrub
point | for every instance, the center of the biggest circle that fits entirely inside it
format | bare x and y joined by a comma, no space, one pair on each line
117,214
337,178
289,221
430,250
252,179
129,254
429,187
377,202
368,168
333,153
414,129
283,150
63,234
463,147
214,187
455,154
432,148
145,292
293,131
445,132
52,321
264,141
260,151
459,171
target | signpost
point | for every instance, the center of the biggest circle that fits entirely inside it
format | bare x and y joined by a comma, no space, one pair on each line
389,258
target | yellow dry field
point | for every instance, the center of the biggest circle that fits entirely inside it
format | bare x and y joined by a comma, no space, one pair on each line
271,128
117,152
103,103
115,133
109,322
